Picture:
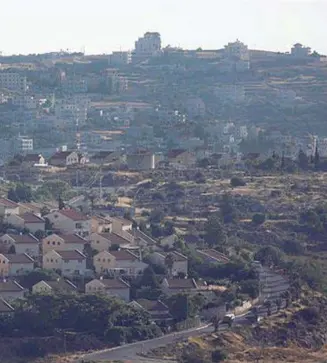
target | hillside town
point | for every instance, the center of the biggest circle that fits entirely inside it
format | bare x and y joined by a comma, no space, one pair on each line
162,193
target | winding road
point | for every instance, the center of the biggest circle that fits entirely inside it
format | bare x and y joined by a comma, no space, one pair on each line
274,285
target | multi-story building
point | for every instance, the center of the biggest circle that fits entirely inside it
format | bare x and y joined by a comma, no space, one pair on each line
120,58
73,85
147,46
24,101
142,160
300,51
23,145
13,81
237,50
116,83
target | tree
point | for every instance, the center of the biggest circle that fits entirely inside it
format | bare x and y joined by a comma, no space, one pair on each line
214,232
39,234
316,158
269,255
44,211
169,263
268,305
21,193
303,160
258,218
218,355
237,182
194,354
61,204
12,250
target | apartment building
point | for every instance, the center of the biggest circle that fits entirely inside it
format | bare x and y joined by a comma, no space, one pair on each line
147,46
299,51
13,81
120,58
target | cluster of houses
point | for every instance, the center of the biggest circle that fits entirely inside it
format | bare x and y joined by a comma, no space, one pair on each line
116,252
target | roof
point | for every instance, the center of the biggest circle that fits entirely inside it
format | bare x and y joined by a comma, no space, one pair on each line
18,258
181,283
23,238
219,257
151,305
115,283
190,238
60,155
177,256
71,255
8,203
114,238
72,238
172,154
10,286
73,214
123,255
32,157
61,285
102,154
5,307
31,218
123,221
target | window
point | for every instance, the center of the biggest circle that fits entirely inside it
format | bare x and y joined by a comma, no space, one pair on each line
78,225
53,242
51,260
99,259
104,260
98,242
58,243
48,242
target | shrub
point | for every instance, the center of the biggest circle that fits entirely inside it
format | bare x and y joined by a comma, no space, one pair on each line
237,182
218,356
258,218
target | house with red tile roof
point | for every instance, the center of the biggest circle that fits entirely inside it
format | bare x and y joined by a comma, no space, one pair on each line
15,264
69,221
116,262
176,286
111,287
11,290
64,158
23,243
103,241
8,207
69,263
63,242
30,221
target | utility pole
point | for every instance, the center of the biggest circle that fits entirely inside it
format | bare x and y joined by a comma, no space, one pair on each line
100,185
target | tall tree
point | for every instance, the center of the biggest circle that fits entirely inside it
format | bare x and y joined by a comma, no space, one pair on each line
169,263
214,232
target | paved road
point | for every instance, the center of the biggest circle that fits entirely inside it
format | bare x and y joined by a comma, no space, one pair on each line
274,285
131,351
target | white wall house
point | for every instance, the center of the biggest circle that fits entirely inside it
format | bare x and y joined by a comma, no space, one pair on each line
11,290
23,243
15,264
69,221
27,220
8,207
63,242
114,262
69,263
180,265
110,287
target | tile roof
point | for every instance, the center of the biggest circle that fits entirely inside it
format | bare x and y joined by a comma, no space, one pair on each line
5,307
114,238
152,305
32,218
177,256
172,154
72,238
23,238
10,286
123,221
115,283
73,214
71,255
18,258
219,257
61,285
181,284
123,255
102,154
60,155
8,203
32,157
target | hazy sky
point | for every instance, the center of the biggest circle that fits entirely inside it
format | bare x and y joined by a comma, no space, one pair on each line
30,26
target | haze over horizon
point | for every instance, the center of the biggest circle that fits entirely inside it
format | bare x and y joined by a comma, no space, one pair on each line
102,26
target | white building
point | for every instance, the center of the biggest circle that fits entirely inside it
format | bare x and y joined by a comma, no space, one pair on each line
120,58
237,51
23,145
300,51
147,46
69,263
141,161
13,81
110,287
23,243
180,262
70,221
